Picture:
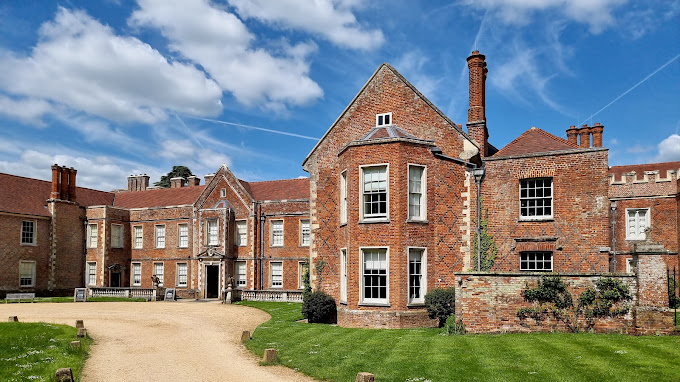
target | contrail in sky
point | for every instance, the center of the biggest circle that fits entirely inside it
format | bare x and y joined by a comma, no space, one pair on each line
253,127
634,86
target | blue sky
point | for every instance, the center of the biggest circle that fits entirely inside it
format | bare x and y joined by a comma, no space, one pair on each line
115,88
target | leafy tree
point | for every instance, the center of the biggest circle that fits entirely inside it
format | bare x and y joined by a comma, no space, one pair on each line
177,171
488,246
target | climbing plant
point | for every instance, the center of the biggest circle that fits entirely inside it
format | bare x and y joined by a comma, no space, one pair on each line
551,297
488,245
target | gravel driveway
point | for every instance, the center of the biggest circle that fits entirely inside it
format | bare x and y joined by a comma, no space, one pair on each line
162,341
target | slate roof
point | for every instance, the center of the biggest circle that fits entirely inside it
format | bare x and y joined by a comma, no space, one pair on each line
533,141
641,168
158,197
279,189
27,196
391,131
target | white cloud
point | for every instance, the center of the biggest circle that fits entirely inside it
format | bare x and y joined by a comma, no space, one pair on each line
331,19
80,63
28,110
596,13
219,42
669,149
97,172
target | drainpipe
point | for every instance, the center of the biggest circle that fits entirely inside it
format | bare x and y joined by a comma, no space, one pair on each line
614,235
478,173
263,218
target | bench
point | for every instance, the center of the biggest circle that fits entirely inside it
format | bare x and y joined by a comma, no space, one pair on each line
19,296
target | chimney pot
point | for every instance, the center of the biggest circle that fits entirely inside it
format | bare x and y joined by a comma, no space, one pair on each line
177,182
54,194
193,181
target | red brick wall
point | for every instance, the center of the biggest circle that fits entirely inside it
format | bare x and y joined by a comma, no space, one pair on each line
12,252
488,303
68,257
580,224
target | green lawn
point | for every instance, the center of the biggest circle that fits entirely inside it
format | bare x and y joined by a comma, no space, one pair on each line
70,299
333,353
34,351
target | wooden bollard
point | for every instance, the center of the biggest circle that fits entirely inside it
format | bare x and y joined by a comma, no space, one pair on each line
245,336
64,375
82,332
79,324
13,319
270,356
365,377
75,345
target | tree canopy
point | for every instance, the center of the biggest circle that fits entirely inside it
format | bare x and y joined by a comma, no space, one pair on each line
177,171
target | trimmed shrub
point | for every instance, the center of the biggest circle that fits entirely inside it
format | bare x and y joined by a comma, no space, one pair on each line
440,304
319,307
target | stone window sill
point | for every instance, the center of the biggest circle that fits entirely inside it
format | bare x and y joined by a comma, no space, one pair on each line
537,220
380,304
415,305
373,221
420,221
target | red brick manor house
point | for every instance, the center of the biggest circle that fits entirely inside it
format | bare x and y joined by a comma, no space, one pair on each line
389,212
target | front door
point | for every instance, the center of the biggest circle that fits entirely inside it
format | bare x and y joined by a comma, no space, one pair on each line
115,280
212,281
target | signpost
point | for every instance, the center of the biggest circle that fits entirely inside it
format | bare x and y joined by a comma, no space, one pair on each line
80,295
169,294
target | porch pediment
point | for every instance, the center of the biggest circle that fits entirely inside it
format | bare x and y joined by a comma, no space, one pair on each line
211,253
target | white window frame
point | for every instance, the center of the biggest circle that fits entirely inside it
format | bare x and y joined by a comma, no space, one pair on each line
159,239
116,237
161,278
529,262
272,235
91,273
302,232
137,266
380,119
223,192
374,301
630,268
241,232
137,229
92,235
343,275
362,196
423,274
183,239
33,232
241,279
343,197
422,215
212,238
646,224
179,282
271,275
535,198
301,272
33,265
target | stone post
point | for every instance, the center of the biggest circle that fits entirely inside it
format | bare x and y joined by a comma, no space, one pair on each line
13,319
79,324
270,356
365,377
245,336
64,375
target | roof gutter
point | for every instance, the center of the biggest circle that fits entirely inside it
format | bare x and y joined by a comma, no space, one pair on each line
437,152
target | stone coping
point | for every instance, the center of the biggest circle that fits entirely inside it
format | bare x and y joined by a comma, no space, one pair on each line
521,274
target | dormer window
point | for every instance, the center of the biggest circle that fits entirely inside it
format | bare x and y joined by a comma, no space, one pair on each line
384,119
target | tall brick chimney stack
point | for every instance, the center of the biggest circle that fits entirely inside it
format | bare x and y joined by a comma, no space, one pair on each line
476,115
132,183
72,184
56,171
143,182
